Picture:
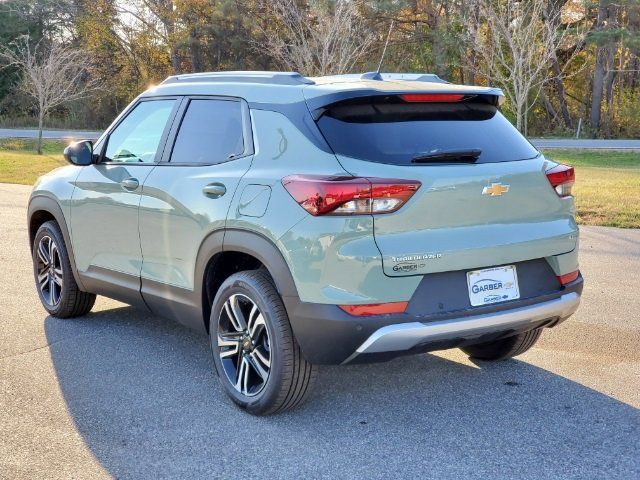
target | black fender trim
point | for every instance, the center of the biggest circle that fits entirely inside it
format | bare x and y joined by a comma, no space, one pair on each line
267,252
243,241
43,203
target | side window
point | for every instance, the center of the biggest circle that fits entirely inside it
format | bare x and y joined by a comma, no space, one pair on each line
210,132
137,137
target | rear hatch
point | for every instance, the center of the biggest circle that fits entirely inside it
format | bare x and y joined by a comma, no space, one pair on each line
484,198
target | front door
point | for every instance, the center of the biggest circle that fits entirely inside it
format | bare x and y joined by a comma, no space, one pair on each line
104,213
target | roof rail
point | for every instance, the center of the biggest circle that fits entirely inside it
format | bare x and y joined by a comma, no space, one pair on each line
414,77
371,76
272,78
408,77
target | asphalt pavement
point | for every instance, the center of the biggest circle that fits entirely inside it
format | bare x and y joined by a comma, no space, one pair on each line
563,143
123,394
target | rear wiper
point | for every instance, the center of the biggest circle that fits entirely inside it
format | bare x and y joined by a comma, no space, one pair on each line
458,156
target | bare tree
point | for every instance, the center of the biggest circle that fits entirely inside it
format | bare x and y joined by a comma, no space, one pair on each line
51,76
319,40
517,42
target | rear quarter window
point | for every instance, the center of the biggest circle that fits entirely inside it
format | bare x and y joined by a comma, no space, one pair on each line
389,130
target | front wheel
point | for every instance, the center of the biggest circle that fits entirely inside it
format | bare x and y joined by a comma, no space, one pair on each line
505,348
257,358
57,288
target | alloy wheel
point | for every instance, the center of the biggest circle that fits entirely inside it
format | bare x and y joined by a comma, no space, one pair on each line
49,271
243,345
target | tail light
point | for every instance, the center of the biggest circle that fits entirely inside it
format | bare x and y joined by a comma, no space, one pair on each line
375,309
562,178
320,195
568,277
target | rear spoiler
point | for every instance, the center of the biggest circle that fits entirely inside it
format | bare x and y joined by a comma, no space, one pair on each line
319,105
316,103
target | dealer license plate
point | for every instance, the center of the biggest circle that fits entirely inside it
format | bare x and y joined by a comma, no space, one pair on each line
493,285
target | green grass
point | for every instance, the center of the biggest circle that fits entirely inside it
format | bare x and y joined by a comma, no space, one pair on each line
607,186
19,162
595,158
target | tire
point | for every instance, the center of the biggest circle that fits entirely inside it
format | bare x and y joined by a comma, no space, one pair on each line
263,344
58,291
504,349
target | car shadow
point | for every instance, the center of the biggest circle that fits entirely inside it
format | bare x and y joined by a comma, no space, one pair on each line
143,394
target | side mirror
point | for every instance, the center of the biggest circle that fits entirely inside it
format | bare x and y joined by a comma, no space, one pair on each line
79,153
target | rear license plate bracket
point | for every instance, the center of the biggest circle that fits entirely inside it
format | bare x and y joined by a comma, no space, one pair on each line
493,285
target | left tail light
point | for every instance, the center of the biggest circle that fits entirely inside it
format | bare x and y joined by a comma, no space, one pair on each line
320,195
562,178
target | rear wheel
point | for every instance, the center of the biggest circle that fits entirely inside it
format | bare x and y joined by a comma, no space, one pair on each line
504,349
57,288
258,360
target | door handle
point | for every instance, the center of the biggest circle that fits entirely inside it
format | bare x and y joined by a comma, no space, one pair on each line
130,183
214,190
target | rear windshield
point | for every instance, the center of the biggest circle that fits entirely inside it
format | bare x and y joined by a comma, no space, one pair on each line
390,130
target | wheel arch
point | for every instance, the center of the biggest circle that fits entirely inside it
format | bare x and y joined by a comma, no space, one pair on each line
42,209
244,242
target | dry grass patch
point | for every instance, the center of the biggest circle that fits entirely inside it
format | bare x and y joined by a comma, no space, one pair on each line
607,186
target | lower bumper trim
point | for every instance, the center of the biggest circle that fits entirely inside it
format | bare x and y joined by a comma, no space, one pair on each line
405,336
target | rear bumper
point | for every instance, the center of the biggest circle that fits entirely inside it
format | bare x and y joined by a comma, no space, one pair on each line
328,335
406,336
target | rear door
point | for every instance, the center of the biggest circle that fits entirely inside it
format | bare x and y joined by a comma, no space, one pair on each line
488,204
187,196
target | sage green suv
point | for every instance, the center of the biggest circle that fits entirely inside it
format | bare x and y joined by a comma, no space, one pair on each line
303,221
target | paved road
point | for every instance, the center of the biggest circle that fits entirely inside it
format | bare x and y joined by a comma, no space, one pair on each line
123,394
61,134
538,142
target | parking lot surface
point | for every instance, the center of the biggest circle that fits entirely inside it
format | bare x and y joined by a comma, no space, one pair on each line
120,393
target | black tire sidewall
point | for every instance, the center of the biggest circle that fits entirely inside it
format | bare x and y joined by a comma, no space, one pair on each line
505,348
51,229
247,285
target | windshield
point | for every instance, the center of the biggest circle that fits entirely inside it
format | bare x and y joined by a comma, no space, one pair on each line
390,130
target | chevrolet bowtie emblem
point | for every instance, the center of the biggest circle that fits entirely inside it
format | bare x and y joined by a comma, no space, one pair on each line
495,189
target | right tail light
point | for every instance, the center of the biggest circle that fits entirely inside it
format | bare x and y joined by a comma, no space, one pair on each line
568,277
561,178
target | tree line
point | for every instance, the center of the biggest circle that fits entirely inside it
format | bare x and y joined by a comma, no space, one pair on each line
560,62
